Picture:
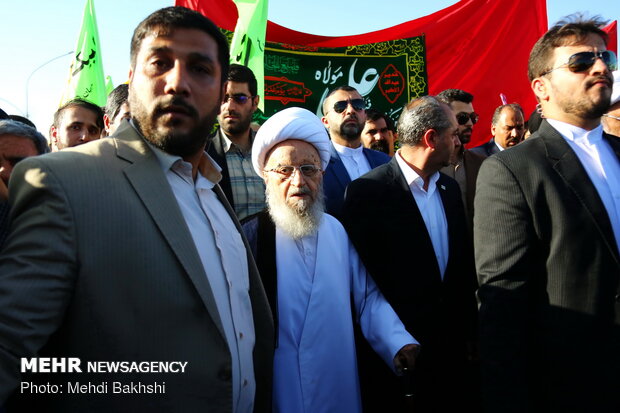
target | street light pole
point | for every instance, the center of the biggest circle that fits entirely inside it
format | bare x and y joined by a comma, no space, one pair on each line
35,70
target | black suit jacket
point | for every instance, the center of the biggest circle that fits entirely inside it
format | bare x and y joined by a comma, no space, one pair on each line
549,272
100,265
487,149
387,229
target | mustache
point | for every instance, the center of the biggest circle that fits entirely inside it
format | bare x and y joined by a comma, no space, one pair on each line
229,113
352,116
176,104
606,79
301,191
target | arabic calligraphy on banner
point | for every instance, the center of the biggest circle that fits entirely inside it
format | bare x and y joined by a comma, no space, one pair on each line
387,74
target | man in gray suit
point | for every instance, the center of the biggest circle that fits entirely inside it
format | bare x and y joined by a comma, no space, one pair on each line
126,250
547,241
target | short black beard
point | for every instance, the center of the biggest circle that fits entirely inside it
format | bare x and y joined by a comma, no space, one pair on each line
242,126
350,133
174,143
380,145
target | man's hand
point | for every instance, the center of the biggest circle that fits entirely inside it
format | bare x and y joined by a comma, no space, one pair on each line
406,357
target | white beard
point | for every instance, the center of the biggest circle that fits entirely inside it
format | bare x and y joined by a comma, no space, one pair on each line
300,221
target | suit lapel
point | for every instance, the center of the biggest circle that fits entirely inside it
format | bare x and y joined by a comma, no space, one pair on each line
336,167
566,163
410,213
216,151
148,180
448,202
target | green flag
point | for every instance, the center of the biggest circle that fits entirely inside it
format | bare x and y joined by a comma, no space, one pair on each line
86,79
109,85
248,43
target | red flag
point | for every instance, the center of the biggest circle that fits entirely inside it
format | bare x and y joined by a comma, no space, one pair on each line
612,31
480,46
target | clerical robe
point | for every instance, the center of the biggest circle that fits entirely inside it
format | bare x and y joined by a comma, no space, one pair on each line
315,366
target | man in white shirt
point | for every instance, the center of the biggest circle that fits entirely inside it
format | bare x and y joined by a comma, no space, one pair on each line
344,116
126,250
311,272
429,279
547,241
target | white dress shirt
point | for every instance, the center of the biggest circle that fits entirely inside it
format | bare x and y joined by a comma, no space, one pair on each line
224,259
601,164
431,208
354,160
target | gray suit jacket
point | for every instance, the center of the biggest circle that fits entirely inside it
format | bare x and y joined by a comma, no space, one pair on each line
100,265
549,273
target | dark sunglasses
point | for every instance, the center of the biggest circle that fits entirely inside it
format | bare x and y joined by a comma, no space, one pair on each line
357,104
582,61
287,170
463,117
239,98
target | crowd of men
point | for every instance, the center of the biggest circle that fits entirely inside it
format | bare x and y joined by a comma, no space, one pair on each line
333,264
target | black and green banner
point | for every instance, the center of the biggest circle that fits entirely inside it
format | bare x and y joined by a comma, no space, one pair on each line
387,74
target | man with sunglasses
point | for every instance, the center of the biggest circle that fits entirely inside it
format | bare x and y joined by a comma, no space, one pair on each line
313,275
344,116
611,119
231,145
507,128
547,242
464,165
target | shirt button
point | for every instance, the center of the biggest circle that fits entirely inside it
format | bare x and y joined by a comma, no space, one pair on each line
245,383
241,335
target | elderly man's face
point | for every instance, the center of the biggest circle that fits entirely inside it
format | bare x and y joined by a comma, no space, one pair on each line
12,150
298,191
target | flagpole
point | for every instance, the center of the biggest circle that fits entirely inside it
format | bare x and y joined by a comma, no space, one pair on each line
35,70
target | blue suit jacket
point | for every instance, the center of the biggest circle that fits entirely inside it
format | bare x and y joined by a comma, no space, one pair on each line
487,149
337,178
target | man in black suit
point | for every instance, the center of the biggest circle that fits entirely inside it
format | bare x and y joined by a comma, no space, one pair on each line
430,281
546,245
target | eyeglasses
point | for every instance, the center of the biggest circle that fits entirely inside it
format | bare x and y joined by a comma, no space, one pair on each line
287,170
239,98
611,116
582,61
357,104
463,117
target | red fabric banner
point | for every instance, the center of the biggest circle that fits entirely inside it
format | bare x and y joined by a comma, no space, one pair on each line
480,46
612,31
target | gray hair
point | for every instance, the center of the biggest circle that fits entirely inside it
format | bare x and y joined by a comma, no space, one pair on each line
11,127
420,115
515,107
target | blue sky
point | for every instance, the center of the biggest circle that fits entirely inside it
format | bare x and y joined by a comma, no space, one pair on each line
35,31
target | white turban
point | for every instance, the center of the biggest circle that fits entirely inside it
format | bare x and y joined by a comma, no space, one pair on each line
615,94
291,123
